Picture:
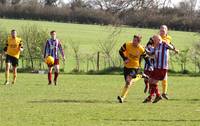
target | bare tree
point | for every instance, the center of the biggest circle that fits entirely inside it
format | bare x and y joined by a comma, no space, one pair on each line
113,6
3,1
13,2
195,55
107,47
50,2
77,4
183,58
75,47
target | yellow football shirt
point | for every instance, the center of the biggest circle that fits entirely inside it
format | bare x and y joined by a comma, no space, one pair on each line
13,46
166,38
133,54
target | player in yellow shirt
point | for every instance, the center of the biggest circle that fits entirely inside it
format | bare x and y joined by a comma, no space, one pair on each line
167,39
13,48
131,53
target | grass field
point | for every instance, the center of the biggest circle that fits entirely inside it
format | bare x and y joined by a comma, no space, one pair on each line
83,100
90,100
88,37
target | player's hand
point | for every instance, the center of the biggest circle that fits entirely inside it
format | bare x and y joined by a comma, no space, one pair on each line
126,61
63,60
176,51
21,49
151,68
44,59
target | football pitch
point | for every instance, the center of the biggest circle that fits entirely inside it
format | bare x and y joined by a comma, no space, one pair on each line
90,100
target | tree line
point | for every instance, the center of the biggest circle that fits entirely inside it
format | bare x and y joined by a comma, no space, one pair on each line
137,13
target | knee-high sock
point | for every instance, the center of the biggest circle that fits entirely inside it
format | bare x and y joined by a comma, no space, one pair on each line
125,91
164,86
157,90
7,76
151,90
55,76
14,78
49,77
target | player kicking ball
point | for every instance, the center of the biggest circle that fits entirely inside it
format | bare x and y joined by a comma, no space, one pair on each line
131,52
51,51
160,67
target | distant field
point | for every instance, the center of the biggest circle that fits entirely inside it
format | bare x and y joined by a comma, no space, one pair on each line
88,36
91,101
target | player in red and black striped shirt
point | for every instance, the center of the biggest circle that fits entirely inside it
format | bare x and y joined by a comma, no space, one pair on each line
52,48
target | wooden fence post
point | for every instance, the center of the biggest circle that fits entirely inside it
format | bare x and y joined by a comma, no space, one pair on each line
98,53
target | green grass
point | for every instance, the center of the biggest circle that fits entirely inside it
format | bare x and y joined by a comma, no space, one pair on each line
91,101
88,37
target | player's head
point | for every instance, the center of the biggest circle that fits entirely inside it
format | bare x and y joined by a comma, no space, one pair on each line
156,39
163,30
53,34
136,39
150,42
13,33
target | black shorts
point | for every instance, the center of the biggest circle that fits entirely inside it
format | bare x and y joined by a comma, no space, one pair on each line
10,59
131,72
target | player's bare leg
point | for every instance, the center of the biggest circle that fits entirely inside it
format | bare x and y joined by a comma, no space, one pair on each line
153,90
7,73
151,94
125,89
14,75
57,70
146,81
50,75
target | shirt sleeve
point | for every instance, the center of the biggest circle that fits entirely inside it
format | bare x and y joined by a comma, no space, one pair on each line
146,58
170,46
6,46
61,49
46,49
122,50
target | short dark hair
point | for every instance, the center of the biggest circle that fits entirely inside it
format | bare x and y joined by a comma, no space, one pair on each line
139,37
13,30
52,31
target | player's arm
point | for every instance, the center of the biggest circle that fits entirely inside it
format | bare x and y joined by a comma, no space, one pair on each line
21,45
46,49
149,47
121,52
6,47
146,58
61,50
172,47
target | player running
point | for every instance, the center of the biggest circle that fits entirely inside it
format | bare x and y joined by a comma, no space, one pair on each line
131,53
160,67
13,48
52,48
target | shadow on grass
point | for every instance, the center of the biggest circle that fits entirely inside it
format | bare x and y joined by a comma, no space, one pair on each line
192,100
72,101
153,120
